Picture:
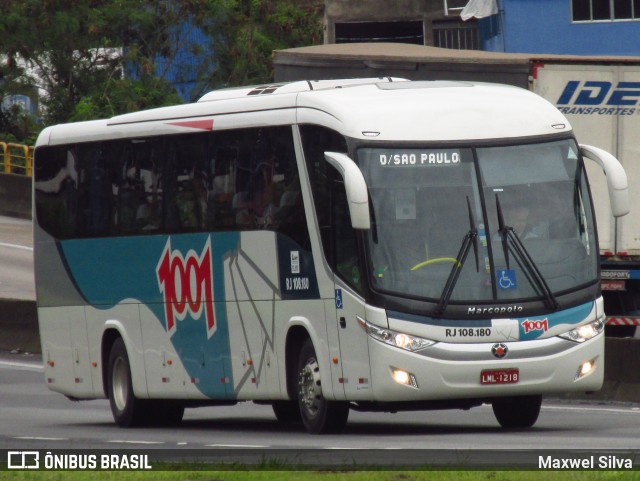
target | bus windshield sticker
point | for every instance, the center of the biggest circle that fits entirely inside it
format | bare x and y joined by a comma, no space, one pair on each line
419,158
506,278
295,262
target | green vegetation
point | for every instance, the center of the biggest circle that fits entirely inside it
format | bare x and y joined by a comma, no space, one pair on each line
324,476
91,59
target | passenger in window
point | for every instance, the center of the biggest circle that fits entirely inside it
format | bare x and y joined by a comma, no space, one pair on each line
99,195
222,189
258,206
187,203
265,203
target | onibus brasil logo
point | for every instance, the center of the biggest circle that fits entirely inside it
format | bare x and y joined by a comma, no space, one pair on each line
186,283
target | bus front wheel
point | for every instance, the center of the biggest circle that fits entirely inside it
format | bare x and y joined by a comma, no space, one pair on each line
517,412
319,416
127,410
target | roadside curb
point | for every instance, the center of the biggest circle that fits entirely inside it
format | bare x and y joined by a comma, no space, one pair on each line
15,196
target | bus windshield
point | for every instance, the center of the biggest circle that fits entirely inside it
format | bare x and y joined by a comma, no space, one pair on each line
516,221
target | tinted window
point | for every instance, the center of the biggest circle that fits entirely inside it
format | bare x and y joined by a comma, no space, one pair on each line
338,237
228,180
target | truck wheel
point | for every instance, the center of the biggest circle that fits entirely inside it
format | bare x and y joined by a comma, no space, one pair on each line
127,410
319,416
286,411
517,412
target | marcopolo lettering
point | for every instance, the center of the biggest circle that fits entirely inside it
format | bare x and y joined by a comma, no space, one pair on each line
494,310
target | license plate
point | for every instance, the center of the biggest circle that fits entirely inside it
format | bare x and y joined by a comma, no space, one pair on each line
608,285
500,376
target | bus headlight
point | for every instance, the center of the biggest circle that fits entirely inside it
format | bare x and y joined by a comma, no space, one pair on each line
585,332
403,377
395,338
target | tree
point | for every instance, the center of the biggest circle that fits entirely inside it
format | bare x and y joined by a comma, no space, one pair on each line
15,123
244,34
98,58
76,55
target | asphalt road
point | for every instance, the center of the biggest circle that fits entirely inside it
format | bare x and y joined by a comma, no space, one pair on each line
32,417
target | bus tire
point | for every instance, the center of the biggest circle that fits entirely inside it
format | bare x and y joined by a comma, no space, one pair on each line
286,412
127,410
517,412
319,416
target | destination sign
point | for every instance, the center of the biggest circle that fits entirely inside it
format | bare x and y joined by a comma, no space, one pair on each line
419,158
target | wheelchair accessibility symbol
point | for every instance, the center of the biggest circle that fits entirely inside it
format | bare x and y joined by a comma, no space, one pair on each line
506,279
338,298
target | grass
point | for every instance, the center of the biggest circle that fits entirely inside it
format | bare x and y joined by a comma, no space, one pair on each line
242,475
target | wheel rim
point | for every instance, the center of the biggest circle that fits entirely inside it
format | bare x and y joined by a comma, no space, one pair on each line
119,384
310,394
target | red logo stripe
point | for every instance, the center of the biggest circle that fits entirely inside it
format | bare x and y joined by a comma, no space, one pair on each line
194,124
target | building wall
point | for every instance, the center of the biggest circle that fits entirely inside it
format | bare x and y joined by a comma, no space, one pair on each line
545,26
343,11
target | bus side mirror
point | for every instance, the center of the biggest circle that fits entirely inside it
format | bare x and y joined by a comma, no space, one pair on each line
616,178
356,187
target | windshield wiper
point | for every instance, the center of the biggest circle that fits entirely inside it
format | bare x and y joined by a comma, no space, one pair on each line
511,242
470,239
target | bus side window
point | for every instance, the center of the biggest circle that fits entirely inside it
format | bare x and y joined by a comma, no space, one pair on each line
222,187
347,263
56,190
137,189
339,239
96,199
184,183
255,183
315,142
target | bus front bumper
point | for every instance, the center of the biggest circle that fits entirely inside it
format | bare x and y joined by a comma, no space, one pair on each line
463,371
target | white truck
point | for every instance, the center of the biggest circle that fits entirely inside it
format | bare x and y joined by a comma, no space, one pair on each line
600,96
601,102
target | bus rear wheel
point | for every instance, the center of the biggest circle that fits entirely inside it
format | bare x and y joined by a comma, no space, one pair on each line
319,416
127,410
517,412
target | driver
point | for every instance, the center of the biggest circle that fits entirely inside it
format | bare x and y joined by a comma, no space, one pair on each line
525,223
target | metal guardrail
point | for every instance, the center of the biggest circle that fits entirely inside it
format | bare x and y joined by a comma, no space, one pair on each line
16,158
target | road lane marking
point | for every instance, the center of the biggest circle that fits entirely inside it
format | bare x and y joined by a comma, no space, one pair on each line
40,438
630,409
22,365
16,246
248,446
135,442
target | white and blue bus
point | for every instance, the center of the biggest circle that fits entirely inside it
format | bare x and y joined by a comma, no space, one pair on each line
372,244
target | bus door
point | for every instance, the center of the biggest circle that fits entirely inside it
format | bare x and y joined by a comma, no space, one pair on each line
354,351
